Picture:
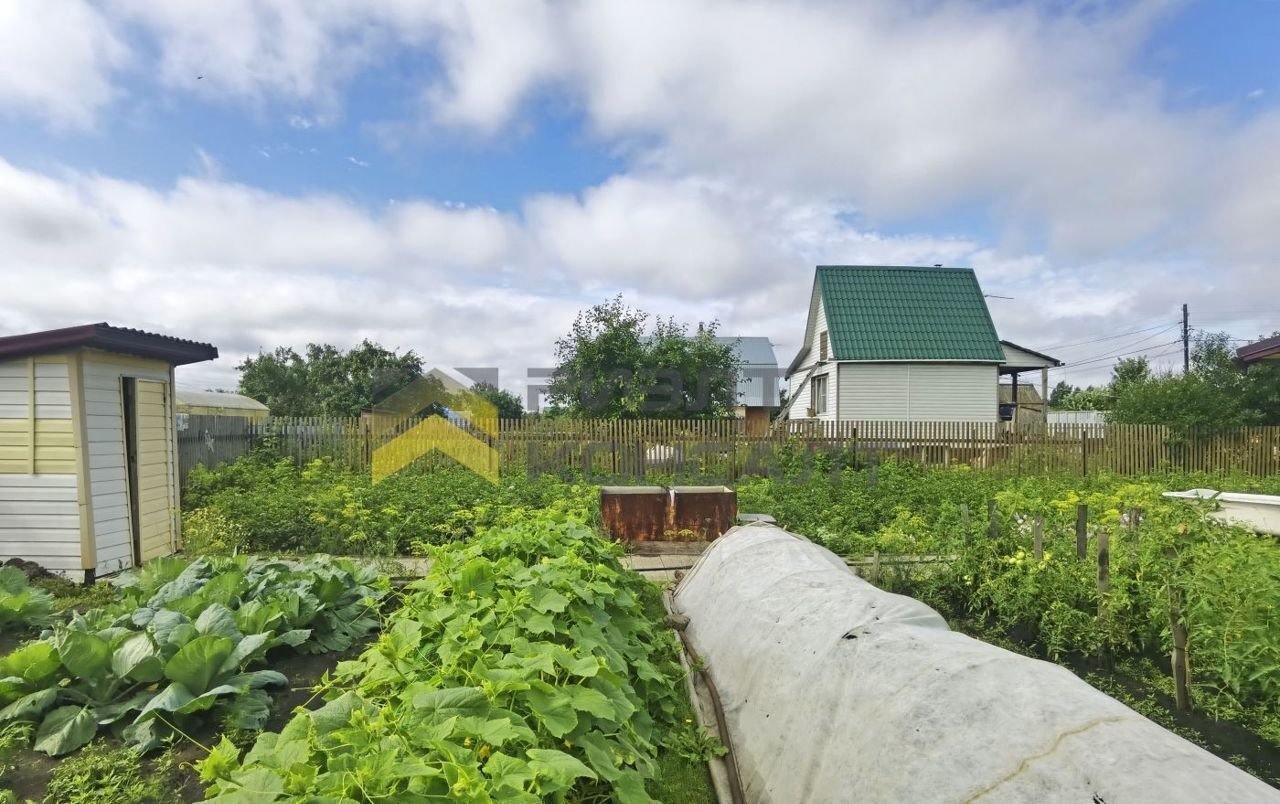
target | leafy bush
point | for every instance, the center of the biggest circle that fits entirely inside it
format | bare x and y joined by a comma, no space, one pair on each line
179,644
22,605
523,668
267,505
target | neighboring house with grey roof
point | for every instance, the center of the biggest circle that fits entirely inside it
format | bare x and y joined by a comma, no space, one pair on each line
901,343
759,380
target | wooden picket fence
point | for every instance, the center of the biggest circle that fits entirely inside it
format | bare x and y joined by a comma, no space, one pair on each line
724,449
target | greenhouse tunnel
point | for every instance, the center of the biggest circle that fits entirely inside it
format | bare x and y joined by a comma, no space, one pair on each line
836,691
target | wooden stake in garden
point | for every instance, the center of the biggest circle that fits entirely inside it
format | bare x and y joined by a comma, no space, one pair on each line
964,520
1082,531
1037,530
1104,579
993,521
1178,627
1135,516
1104,563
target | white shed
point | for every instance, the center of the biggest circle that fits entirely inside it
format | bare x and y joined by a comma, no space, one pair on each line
88,468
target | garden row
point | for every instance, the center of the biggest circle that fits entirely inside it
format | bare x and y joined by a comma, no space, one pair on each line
527,666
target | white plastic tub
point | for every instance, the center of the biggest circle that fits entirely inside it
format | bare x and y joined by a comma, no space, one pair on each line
1260,512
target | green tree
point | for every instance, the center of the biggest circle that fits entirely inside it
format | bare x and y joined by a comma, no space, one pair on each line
608,367
326,381
1060,393
507,403
1130,370
1213,395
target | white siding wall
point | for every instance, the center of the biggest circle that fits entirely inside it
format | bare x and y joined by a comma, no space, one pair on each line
40,520
918,392
800,410
874,391
39,515
108,475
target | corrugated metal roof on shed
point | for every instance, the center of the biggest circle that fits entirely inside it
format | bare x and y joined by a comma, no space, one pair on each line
175,351
907,313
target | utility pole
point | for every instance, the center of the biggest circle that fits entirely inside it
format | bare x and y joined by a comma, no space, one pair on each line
1186,342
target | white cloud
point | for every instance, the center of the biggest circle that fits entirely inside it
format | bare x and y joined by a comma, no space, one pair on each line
246,269
57,59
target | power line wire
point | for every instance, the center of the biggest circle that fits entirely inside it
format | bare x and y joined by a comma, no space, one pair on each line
1111,337
1123,348
1082,363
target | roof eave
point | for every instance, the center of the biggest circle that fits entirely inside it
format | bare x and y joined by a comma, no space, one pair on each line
1265,349
103,336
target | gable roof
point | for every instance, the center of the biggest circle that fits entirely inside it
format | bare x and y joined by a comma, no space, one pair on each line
907,313
752,350
758,383
175,351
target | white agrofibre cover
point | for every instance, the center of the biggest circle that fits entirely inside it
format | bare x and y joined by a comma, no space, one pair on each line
836,691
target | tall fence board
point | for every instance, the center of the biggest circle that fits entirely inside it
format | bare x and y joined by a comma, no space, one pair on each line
724,449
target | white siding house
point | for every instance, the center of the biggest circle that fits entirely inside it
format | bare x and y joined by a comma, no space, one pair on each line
896,344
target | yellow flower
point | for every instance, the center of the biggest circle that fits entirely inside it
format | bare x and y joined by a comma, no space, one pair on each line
467,742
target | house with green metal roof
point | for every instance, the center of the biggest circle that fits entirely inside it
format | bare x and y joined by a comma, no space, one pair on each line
901,343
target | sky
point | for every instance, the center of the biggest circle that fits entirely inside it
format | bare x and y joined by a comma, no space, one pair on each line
461,179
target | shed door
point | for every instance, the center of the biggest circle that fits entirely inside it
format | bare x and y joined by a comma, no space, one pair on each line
155,488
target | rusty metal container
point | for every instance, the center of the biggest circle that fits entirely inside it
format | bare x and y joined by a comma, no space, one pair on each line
702,513
634,513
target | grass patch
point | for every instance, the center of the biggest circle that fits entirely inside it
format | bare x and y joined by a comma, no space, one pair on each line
681,778
71,595
682,775
107,774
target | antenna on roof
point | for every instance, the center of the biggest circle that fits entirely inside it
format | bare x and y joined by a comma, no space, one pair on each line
994,296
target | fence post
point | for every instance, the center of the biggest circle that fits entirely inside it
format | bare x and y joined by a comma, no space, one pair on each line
1084,452
1037,531
1082,530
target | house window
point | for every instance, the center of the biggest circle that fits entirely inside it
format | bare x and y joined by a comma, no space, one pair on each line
820,394
822,346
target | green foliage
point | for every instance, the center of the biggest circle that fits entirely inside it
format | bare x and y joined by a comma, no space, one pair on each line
507,403
180,643
209,531
68,594
22,605
606,367
325,381
523,668
105,774
269,505
1213,396
1228,579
